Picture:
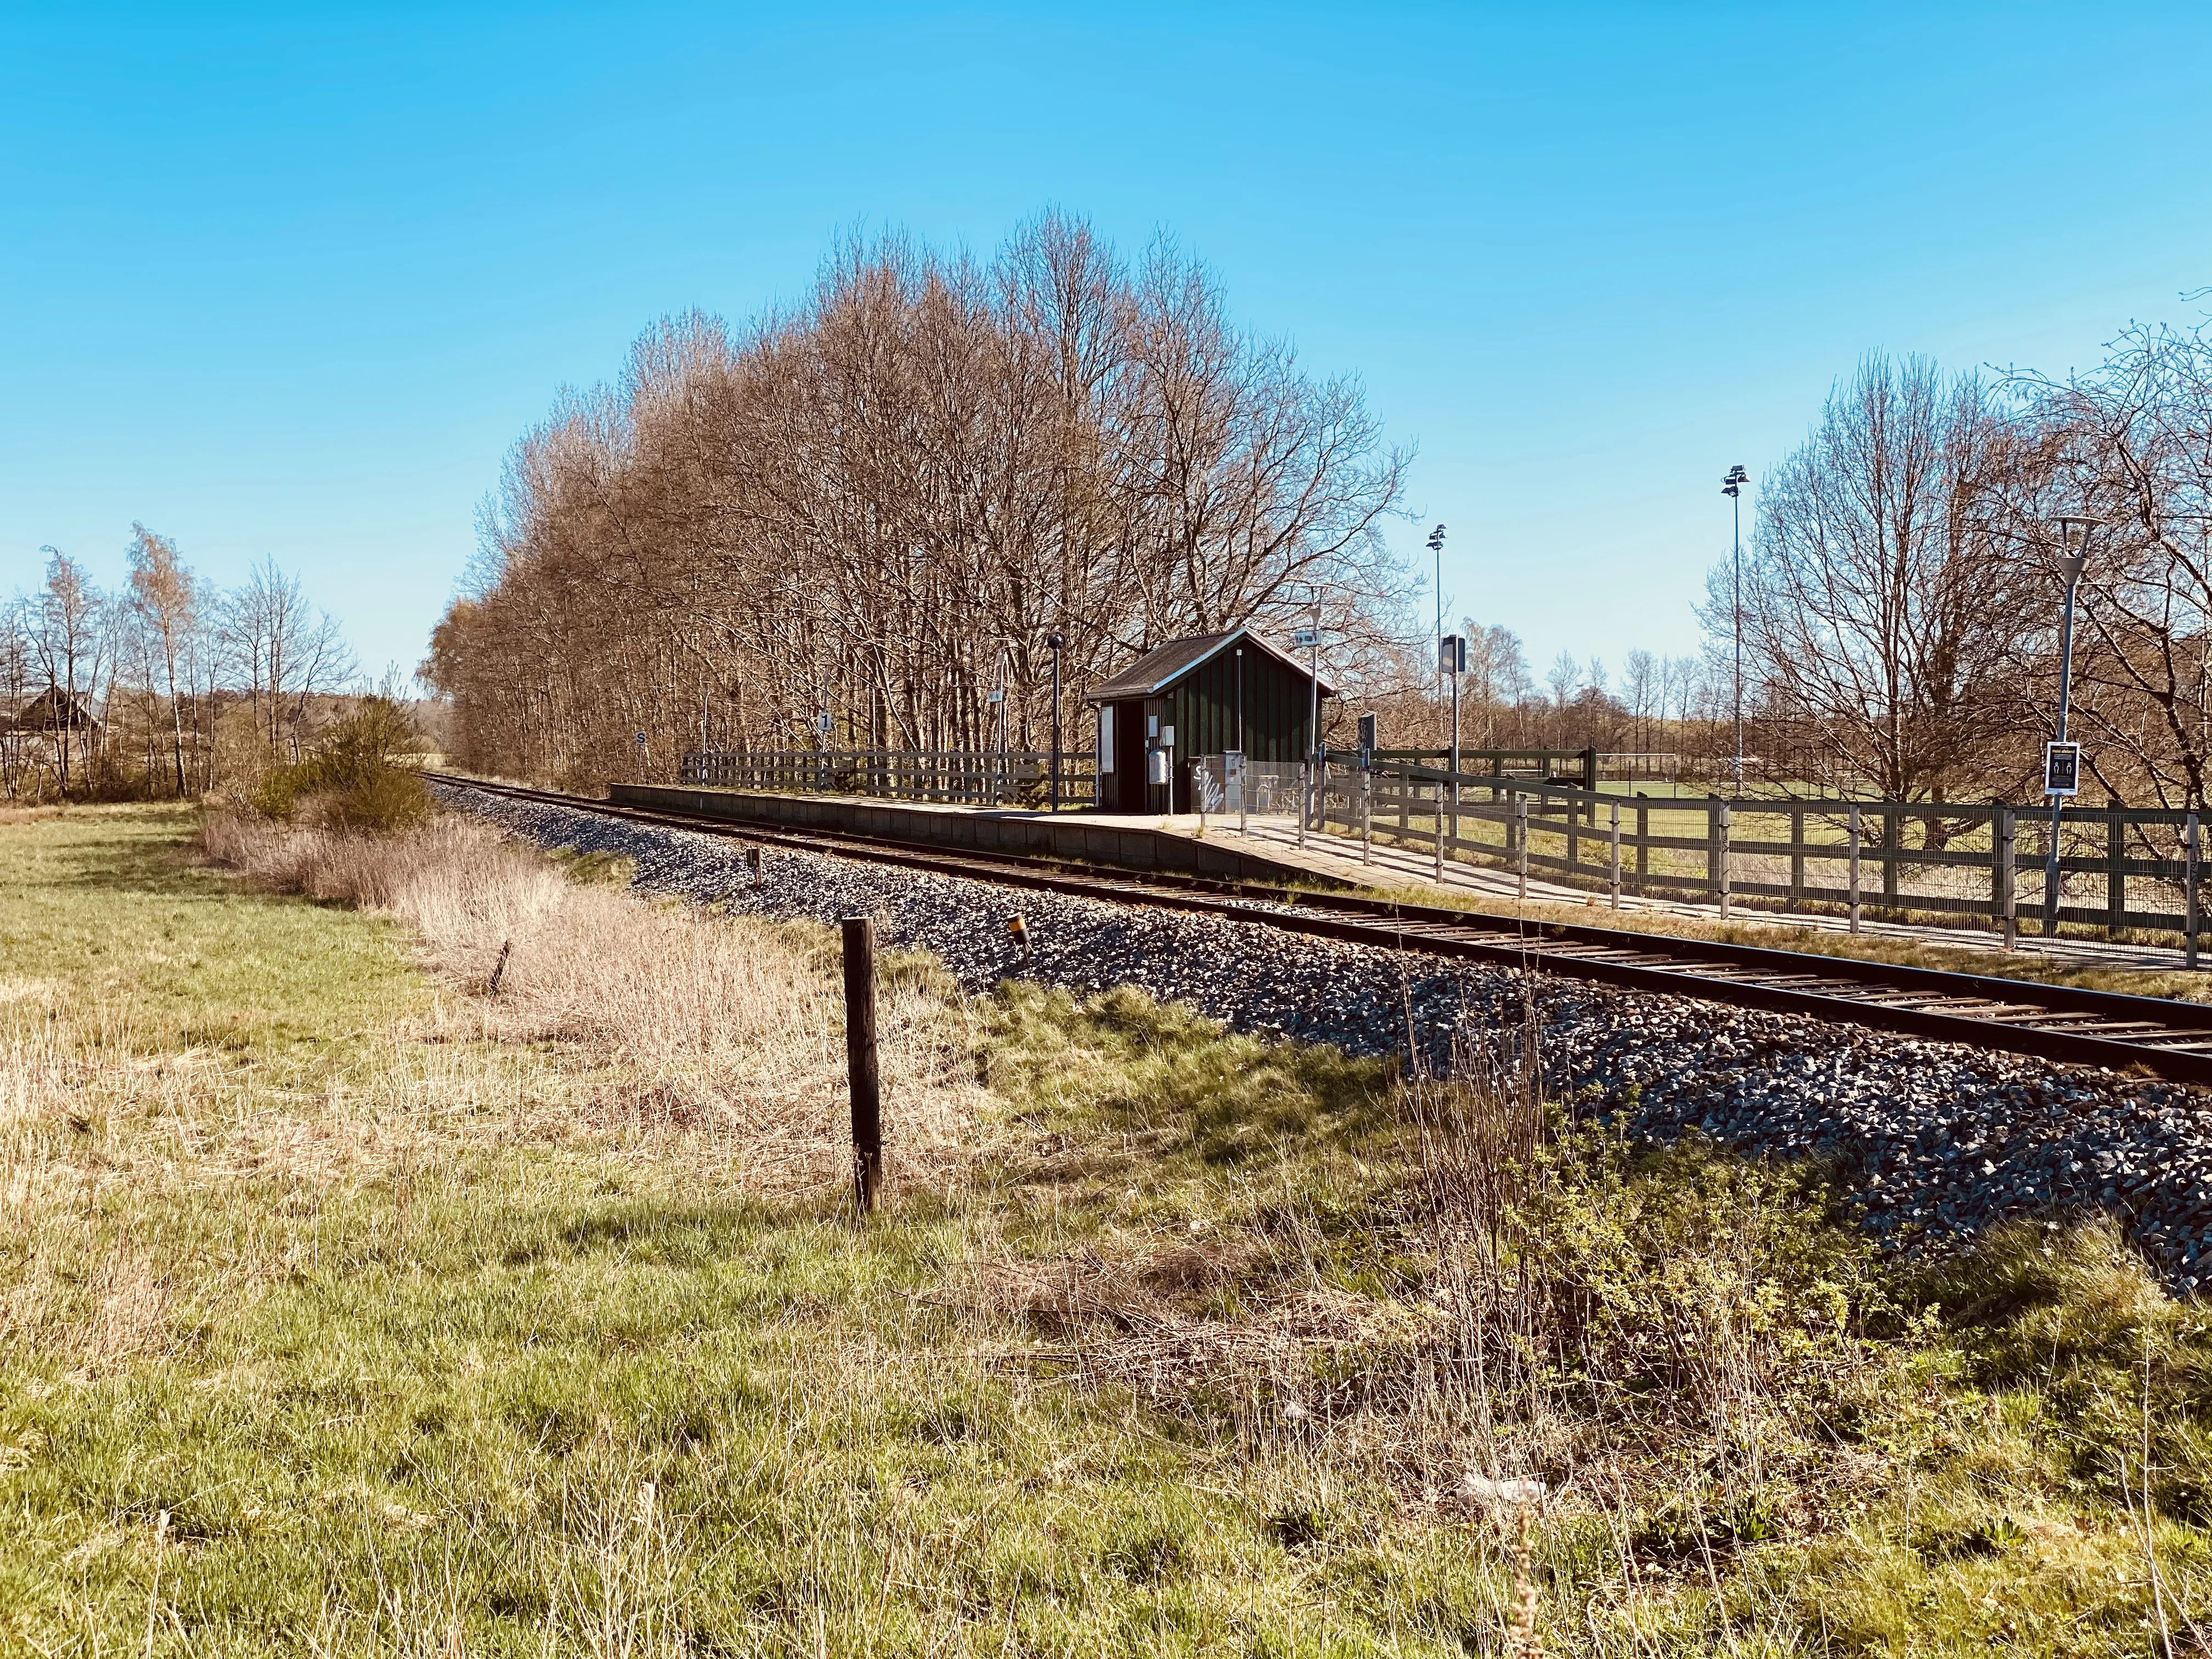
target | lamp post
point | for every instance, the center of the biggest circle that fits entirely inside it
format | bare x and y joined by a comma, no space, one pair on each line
1057,643
1732,487
1437,547
2073,553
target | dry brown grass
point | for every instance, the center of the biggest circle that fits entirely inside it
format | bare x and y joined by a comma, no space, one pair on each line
659,1021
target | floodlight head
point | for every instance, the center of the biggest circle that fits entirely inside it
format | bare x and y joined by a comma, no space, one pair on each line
1436,538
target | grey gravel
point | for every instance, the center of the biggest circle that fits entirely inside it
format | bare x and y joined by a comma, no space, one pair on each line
1933,1142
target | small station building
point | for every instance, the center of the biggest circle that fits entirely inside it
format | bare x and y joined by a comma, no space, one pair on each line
1208,695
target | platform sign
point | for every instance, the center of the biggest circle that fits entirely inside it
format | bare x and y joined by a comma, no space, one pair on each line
2062,768
824,724
1451,653
1306,639
1367,744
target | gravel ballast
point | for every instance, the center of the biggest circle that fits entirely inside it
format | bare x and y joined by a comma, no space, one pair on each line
1935,1142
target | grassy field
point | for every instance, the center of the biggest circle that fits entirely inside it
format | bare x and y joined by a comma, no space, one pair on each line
349,1305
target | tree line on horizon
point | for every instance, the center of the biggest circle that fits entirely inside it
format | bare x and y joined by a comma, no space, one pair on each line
881,504
168,688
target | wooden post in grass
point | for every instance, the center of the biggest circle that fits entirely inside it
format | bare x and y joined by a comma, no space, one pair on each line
859,938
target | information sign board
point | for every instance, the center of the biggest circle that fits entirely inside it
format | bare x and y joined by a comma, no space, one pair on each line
2062,768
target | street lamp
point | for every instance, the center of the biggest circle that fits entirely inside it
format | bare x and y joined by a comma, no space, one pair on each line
1057,643
1437,547
1732,487
2073,533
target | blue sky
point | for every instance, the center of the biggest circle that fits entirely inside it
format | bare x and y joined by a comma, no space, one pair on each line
290,280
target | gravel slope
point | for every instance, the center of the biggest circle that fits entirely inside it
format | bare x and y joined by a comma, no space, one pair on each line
1936,1141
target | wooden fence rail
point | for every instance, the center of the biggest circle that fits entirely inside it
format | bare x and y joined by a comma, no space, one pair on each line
953,776
2140,865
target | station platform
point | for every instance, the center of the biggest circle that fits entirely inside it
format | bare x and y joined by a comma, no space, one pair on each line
1114,841
1268,850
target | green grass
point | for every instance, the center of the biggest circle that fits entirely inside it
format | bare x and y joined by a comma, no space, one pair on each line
1172,1363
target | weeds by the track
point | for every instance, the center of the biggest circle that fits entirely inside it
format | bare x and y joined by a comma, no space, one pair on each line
352,1307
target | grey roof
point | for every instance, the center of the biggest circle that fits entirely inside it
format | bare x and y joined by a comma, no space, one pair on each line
1159,668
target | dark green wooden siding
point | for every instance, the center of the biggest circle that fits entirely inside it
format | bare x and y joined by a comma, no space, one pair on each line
1275,709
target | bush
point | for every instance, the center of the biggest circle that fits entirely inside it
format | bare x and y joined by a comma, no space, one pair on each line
353,781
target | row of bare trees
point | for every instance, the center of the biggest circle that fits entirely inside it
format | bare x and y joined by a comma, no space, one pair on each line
167,687
882,504
1901,601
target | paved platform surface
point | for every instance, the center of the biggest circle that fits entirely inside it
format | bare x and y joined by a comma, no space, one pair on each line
1338,857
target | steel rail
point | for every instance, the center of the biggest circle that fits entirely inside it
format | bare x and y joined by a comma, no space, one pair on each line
2072,1026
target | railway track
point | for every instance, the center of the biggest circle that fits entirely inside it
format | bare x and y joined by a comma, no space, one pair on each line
2152,1035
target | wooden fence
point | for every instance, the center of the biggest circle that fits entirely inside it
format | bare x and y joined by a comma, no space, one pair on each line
961,777
2121,869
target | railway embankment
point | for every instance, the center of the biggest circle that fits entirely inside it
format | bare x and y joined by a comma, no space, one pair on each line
1933,1143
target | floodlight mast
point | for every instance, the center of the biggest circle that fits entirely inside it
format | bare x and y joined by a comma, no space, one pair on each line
1437,547
1732,487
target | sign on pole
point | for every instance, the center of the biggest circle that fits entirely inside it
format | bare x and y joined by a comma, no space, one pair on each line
824,724
2062,768
1306,638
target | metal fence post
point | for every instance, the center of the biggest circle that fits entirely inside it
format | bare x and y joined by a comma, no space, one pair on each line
2007,895
1305,798
1722,824
1436,824
2116,881
2189,897
1613,880
1574,834
1642,845
1713,845
1366,815
1854,866
1521,839
1796,857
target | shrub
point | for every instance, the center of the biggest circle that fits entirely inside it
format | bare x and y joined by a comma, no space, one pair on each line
353,780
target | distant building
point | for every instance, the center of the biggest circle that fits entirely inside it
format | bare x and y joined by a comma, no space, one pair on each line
50,713
1207,694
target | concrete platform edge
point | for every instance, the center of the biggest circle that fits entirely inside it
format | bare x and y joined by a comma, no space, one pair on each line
1037,836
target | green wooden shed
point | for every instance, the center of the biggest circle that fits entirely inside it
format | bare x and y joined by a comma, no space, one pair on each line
1207,694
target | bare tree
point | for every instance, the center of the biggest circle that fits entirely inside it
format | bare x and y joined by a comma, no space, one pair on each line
1880,614
71,641
2130,443
166,599
284,653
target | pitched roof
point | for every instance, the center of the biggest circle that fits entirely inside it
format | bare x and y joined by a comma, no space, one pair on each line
1157,669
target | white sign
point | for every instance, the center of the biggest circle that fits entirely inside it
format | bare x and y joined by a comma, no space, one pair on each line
1105,737
2062,768
823,724
1306,638
994,694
